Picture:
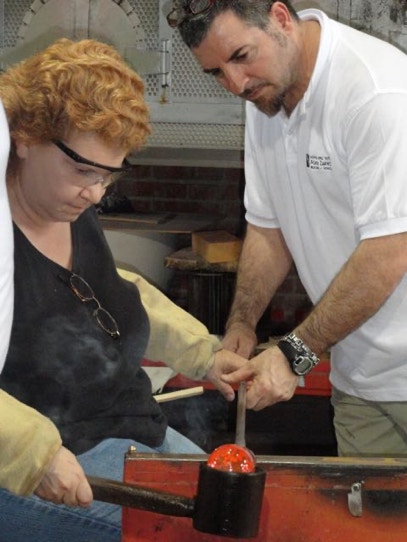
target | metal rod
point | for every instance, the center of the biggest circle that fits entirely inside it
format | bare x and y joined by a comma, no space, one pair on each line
240,438
142,498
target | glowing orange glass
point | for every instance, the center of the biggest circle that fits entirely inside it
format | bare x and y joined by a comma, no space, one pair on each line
232,458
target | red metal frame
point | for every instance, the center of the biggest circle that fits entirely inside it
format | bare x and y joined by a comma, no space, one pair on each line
305,500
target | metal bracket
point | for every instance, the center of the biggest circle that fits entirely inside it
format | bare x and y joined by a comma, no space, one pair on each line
355,499
165,63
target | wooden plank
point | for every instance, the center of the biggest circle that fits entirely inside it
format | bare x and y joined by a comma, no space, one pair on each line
187,260
178,223
136,218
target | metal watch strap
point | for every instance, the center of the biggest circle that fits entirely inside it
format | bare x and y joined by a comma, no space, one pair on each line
292,347
287,349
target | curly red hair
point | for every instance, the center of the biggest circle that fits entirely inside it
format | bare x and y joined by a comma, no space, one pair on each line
83,85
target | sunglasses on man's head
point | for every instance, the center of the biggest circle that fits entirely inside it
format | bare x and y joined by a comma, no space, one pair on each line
193,8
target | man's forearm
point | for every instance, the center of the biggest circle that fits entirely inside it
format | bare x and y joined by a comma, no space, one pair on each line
358,291
264,263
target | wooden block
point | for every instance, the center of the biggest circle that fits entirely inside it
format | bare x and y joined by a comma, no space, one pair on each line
216,246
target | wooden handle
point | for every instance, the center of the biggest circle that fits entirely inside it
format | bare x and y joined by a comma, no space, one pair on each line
181,394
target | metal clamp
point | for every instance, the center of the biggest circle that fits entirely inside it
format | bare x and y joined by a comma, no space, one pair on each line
355,499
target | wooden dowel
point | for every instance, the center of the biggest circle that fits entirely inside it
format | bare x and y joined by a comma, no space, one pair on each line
180,394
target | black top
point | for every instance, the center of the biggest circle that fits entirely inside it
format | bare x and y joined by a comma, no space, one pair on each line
62,363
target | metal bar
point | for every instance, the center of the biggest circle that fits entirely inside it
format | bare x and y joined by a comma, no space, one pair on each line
141,498
240,438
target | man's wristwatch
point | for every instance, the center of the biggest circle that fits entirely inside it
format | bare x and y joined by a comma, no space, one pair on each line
301,359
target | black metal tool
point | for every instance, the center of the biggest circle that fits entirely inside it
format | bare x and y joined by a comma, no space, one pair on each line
226,504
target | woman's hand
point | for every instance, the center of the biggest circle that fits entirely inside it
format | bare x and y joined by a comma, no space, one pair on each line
240,338
64,482
225,362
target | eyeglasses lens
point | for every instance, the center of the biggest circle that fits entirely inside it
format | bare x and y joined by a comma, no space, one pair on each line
113,178
106,321
81,288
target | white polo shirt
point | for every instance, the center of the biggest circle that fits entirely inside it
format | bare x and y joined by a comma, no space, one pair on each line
334,173
6,245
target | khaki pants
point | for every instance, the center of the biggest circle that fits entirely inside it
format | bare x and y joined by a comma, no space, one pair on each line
367,428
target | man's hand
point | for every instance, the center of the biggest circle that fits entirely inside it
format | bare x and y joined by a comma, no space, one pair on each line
225,362
269,376
240,338
64,482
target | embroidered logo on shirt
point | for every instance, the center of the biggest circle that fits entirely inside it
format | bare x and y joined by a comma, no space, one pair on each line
315,161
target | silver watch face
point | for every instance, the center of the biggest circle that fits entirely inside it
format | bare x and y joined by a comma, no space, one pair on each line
302,365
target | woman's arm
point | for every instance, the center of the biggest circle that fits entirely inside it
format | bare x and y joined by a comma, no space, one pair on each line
28,442
32,457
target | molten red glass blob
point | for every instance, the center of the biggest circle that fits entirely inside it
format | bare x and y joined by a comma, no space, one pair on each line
232,458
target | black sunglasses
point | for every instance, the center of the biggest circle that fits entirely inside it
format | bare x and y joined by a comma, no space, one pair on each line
193,8
84,292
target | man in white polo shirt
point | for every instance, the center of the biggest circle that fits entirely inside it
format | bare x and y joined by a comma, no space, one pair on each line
326,167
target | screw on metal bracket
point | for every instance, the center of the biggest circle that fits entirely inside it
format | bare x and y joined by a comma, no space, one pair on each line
132,450
355,499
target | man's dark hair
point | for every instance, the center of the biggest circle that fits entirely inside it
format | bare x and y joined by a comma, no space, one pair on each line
254,12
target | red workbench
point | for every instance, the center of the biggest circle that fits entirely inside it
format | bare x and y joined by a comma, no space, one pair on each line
306,499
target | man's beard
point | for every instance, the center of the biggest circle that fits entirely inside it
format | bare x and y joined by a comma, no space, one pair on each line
270,106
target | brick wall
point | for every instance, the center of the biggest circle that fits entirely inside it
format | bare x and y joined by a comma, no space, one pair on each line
207,191
217,192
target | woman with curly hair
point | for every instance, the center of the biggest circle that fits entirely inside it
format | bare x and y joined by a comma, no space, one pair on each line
73,395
